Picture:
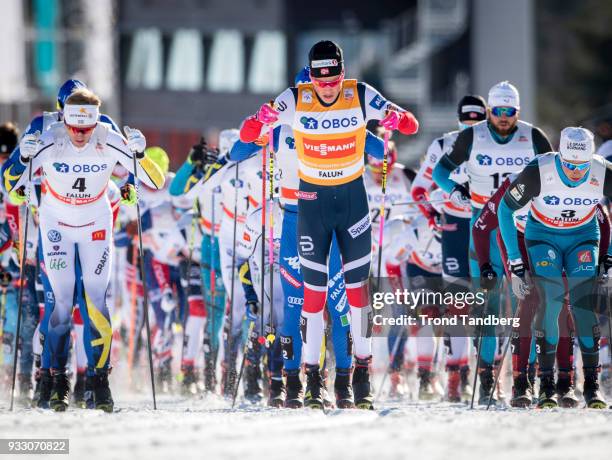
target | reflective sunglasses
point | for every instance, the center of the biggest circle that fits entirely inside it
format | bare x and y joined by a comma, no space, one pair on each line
328,84
576,167
80,130
499,111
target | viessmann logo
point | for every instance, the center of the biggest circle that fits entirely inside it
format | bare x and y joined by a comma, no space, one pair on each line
332,148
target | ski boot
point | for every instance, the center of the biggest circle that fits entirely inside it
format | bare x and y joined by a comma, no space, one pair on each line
453,386
486,386
313,397
25,388
565,390
531,376
276,396
252,378
102,393
343,389
361,384
90,402
426,390
547,399
294,398
60,392
522,391
78,392
466,388
592,394
44,385
190,381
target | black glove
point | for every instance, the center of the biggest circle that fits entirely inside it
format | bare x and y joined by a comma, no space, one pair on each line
200,155
5,278
488,277
607,263
252,310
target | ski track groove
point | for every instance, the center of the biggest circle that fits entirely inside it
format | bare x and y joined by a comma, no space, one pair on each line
209,428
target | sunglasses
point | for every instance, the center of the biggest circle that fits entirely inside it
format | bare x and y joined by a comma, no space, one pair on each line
499,111
576,167
78,130
328,84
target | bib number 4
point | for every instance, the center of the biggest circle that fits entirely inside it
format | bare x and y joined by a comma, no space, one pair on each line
79,184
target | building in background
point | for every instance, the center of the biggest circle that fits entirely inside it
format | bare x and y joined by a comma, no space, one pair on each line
178,69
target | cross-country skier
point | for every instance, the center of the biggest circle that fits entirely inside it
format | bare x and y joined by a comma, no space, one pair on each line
328,117
561,235
77,157
491,150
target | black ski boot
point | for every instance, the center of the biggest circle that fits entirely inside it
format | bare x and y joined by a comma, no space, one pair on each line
294,398
361,384
531,376
78,392
547,399
252,382
90,402
565,390
25,388
486,386
314,387
277,392
522,392
426,389
343,389
102,393
592,394
60,392
44,385
190,381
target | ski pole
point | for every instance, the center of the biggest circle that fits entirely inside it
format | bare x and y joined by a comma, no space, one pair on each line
501,362
213,280
145,299
478,348
22,250
263,242
271,336
133,302
189,265
381,214
237,183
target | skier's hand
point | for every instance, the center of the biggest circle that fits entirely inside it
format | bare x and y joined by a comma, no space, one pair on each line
5,278
436,225
252,310
128,195
266,114
520,279
18,197
606,266
167,302
488,277
136,141
200,155
391,120
460,196
28,146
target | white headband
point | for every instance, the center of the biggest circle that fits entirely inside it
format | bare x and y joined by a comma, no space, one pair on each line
81,115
